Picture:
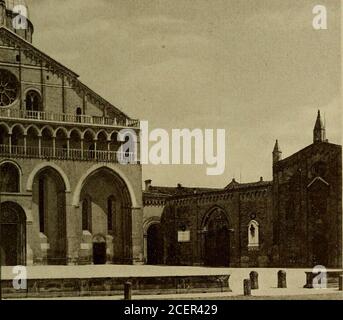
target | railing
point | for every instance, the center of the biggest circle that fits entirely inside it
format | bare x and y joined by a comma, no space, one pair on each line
67,154
65,117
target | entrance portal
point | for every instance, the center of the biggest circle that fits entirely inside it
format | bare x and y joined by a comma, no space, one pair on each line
217,240
12,234
99,250
155,244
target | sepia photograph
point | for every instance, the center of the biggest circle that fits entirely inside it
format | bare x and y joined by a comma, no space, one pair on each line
167,150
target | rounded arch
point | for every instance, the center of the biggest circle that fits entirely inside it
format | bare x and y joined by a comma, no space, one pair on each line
113,132
22,216
253,233
93,169
10,177
44,165
33,126
12,162
64,130
6,127
99,238
50,129
33,100
31,89
78,131
17,125
104,132
149,222
254,222
90,131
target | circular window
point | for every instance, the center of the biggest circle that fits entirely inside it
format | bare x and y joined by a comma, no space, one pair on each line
8,88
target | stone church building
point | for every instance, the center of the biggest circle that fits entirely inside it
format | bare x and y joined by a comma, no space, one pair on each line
64,197
295,220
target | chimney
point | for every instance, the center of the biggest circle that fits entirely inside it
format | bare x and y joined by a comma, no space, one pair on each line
261,179
147,184
179,185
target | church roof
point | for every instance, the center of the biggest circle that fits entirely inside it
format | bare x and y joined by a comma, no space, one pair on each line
170,191
54,66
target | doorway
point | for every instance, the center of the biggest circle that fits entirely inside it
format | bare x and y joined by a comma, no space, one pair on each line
154,245
12,234
99,250
217,241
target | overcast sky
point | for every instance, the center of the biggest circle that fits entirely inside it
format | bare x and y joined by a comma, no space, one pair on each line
255,68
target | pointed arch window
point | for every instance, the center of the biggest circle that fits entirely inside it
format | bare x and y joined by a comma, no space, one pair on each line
253,234
111,210
87,214
41,204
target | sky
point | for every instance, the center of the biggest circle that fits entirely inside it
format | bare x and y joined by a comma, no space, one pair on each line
256,68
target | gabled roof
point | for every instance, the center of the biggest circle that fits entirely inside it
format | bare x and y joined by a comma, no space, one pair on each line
54,66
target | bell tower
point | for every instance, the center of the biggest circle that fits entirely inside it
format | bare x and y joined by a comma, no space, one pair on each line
18,11
277,153
319,134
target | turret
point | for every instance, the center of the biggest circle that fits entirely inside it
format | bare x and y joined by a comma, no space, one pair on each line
319,130
277,153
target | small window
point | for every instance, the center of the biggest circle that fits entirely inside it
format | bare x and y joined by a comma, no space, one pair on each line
17,58
78,114
253,234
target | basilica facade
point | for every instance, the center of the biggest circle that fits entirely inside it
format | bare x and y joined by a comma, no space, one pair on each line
295,220
65,197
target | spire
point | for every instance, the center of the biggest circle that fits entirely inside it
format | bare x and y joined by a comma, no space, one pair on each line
319,130
277,153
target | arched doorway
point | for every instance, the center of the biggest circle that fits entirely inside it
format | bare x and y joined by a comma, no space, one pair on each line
110,214
99,250
49,196
154,244
216,239
12,234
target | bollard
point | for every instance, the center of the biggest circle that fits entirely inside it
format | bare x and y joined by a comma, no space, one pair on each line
247,287
254,280
281,279
340,280
128,291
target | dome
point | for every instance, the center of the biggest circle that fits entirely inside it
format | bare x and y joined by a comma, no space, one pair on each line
10,4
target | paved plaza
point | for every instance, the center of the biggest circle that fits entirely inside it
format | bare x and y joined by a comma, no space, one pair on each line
296,279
